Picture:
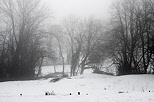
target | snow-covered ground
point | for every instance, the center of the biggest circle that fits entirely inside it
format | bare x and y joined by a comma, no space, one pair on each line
92,88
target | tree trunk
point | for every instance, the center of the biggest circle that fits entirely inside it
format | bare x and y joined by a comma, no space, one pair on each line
54,68
82,69
63,65
40,65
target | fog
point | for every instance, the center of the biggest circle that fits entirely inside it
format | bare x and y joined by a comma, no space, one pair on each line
82,8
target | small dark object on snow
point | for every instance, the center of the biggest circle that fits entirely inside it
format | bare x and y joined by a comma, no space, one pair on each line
87,94
104,88
149,90
120,92
78,93
47,93
70,94
55,79
20,94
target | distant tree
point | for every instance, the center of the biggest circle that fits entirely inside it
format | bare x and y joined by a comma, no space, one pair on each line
71,30
83,36
56,32
93,32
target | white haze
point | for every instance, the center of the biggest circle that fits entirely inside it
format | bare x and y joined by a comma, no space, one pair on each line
81,8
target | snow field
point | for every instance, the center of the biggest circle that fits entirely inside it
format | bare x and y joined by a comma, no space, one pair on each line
92,88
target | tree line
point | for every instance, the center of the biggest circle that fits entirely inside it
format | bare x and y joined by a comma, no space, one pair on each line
133,32
21,38
127,38
25,39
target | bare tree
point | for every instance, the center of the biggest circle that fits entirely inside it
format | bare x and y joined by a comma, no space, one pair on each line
132,26
56,31
70,27
93,32
23,21
83,36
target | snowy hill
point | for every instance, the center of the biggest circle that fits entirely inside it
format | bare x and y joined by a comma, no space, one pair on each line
91,87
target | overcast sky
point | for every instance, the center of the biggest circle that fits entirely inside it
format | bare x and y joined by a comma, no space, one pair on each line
82,8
